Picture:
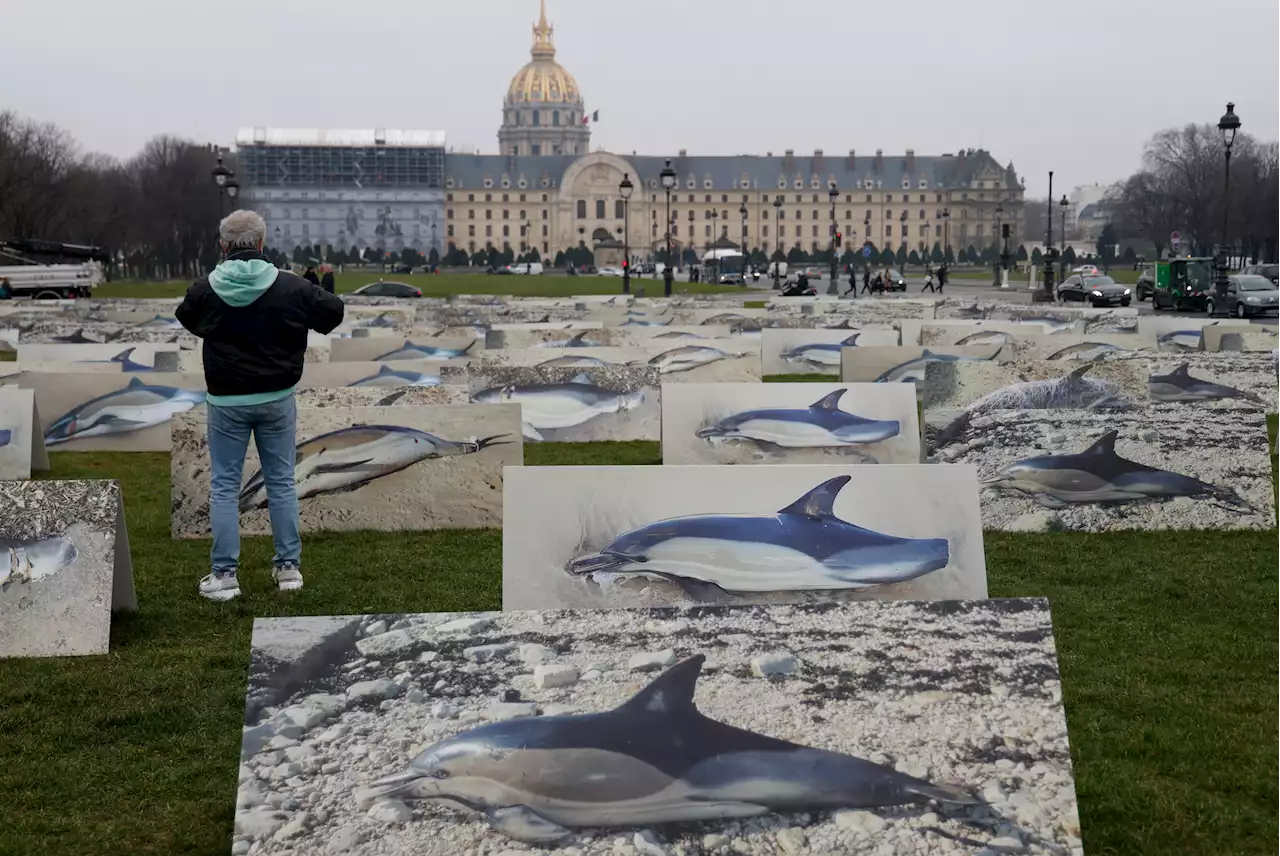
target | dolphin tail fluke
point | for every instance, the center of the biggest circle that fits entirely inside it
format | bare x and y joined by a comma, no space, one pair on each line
529,432
819,502
494,440
469,347
524,824
392,398
1229,498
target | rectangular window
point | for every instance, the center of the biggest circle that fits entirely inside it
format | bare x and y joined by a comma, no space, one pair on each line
471,231
724,197
815,215
471,197
544,213
506,215
448,215
537,117
764,230
618,209
707,231
522,217
535,149
599,209
488,213
708,199
448,197
544,230
488,197
782,231
904,230
782,215
488,231
888,229
449,230
675,228
868,197
506,198
815,230
582,209
506,231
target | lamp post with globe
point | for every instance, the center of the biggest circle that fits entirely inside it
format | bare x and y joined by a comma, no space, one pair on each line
668,176
1228,125
625,187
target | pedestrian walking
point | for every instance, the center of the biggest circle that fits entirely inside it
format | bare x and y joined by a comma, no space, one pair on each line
928,282
310,276
326,279
853,282
254,321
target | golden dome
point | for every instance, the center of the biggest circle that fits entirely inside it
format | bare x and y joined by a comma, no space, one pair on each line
543,80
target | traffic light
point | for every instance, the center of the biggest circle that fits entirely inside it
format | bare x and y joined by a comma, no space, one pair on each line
1004,230
626,263
838,237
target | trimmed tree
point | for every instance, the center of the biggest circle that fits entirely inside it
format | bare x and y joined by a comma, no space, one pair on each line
949,256
901,256
1021,254
1129,256
913,258
795,255
433,258
886,256
559,259
1069,257
1037,257
935,255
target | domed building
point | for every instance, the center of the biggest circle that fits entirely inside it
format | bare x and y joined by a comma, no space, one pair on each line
542,113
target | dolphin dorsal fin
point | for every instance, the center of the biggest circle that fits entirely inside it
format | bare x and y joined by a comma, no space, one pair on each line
578,337
135,383
928,355
123,356
671,693
1076,374
580,377
852,340
386,370
830,401
1183,370
819,502
1104,445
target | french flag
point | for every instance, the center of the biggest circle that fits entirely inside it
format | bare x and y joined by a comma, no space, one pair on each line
594,117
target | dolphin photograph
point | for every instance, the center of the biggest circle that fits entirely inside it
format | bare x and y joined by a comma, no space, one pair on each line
911,370
389,377
410,351
797,423
605,536
366,467
815,351
576,729
573,403
6,435
27,560
1100,470
134,407
1180,385
383,348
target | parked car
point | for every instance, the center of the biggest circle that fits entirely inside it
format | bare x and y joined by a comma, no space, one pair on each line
894,281
402,268
609,271
505,270
1099,290
388,289
813,273
1086,269
1251,294
1146,284
1271,272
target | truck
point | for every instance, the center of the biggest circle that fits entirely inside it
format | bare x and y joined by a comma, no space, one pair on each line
1183,284
49,270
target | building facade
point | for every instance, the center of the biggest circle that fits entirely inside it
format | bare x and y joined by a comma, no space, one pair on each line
349,189
545,189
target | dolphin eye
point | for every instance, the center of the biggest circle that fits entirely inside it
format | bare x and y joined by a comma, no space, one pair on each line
439,774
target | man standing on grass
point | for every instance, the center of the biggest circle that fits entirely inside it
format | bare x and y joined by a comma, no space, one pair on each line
254,321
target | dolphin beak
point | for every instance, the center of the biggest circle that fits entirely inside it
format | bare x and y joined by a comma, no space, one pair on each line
709,432
995,481
596,562
409,785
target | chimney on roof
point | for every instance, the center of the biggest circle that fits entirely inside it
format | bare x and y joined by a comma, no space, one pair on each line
683,153
911,160
851,160
768,154
879,159
788,160
817,160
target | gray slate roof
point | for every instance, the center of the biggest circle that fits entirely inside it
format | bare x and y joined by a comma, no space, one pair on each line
761,173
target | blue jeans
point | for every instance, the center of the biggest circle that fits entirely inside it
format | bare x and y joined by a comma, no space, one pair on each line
273,428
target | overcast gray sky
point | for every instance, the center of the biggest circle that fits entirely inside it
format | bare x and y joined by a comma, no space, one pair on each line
1074,87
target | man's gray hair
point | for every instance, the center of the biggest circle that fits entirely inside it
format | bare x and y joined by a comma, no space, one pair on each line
242,230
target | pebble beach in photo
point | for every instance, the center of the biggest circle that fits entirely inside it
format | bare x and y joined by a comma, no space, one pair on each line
961,693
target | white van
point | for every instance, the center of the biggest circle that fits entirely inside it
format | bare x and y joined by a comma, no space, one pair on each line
526,268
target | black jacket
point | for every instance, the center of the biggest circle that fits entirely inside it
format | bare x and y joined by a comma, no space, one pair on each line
310,276
259,347
326,281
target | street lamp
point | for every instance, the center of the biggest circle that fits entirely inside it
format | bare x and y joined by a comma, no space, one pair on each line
997,266
743,212
1049,254
715,234
777,212
624,190
1062,263
226,183
903,220
946,234
1228,125
691,246
866,232
668,176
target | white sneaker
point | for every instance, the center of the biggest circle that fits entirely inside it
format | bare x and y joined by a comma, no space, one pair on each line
288,577
220,587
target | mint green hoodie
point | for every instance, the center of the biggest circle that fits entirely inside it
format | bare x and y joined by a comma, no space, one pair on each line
239,282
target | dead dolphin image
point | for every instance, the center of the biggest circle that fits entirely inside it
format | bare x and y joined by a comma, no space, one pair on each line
410,351
802,546
1050,324
912,371
820,425
655,759
573,361
26,560
349,458
1086,351
387,376
1180,340
138,405
79,338
160,322
546,407
577,340
127,362
822,354
382,319
1179,385
688,357
1099,475
1072,391
986,337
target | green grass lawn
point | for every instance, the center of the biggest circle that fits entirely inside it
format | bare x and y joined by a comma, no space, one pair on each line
1167,643
446,284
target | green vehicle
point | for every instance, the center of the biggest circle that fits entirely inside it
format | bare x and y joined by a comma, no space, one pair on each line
1185,285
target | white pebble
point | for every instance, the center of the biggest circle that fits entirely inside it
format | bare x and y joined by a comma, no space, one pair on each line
546,677
464,625
378,689
444,709
533,654
500,711
385,643
859,821
647,843
791,839
391,811
652,661
774,663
